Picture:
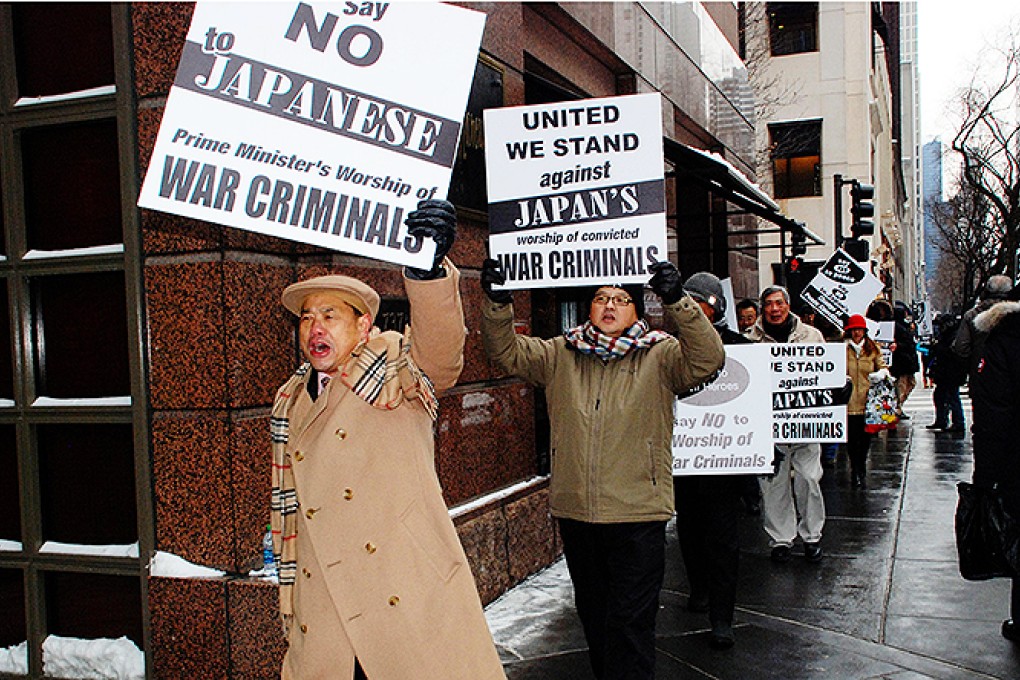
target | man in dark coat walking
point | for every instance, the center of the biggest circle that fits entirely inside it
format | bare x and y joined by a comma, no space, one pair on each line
995,394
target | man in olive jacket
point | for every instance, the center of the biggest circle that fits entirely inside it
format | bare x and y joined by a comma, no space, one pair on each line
610,386
373,580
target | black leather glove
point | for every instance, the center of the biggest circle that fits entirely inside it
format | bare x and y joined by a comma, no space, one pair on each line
492,274
435,219
666,281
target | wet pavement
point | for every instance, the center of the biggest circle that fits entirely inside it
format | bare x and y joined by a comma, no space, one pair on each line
886,601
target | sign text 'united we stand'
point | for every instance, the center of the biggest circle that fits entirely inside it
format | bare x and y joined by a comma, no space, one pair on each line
317,122
576,191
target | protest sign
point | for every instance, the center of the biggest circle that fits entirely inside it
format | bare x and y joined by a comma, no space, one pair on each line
576,191
317,122
724,429
884,334
731,304
805,380
840,288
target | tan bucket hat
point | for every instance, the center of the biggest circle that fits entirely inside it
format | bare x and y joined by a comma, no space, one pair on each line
360,295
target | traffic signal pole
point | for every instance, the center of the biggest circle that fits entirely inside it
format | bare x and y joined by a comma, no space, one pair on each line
837,201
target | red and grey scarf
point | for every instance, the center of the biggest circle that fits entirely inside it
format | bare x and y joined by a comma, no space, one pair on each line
588,339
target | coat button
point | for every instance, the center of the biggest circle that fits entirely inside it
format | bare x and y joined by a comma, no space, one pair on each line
304,628
394,601
370,548
299,456
310,512
348,494
341,433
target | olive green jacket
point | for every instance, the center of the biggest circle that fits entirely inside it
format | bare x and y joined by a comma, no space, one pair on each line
611,422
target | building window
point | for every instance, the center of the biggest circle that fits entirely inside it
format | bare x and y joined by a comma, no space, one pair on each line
69,362
796,158
793,27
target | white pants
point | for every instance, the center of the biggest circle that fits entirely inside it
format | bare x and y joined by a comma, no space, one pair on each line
782,500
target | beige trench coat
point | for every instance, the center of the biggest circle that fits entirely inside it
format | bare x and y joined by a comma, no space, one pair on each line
381,574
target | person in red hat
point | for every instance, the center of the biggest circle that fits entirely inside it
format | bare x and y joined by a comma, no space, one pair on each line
864,365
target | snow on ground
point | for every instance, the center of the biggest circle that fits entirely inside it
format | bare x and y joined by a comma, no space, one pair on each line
101,659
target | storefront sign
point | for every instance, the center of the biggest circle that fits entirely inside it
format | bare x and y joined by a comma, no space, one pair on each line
317,122
576,191
842,287
724,429
806,378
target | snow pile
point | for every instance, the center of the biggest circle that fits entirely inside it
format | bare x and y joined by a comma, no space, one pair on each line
14,659
169,565
102,659
130,550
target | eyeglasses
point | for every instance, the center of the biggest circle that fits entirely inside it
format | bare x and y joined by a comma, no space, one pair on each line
618,300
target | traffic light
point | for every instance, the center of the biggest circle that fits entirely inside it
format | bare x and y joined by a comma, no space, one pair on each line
798,243
862,208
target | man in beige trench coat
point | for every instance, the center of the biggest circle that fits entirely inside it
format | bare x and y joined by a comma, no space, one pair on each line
373,579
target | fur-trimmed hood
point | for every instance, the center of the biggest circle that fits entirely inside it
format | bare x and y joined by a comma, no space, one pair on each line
996,315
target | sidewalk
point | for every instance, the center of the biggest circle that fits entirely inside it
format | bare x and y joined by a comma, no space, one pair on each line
886,601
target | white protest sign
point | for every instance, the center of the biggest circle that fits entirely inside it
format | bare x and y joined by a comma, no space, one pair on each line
805,378
884,334
317,122
576,191
723,429
840,288
731,304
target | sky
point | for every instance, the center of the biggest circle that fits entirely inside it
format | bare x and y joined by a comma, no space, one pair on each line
951,36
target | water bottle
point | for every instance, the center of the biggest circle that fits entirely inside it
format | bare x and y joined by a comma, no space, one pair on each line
268,559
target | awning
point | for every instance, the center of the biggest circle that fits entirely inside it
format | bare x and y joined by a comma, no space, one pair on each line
727,182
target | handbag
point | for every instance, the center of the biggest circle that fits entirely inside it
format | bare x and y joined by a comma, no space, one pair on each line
880,407
987,536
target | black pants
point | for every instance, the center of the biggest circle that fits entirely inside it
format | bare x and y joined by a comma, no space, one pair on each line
858,441
617,572
707,512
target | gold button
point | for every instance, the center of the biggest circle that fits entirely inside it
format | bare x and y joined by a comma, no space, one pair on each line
341,433
307,573
370,547
310,512
299,456
394,601
304,628
348,494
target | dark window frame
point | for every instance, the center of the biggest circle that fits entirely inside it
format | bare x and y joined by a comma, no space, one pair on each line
26,416
793,28
796,155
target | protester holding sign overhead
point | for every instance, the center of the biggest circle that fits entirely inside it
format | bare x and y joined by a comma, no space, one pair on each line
373,580
610,386
788,513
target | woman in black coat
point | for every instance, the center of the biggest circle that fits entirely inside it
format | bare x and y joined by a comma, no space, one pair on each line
995,395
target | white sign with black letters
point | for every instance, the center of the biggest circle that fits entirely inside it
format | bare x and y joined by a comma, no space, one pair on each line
317,122
576,191
806,379
724,429
841,287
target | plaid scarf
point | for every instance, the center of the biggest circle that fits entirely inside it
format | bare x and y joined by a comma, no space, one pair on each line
588,339
382,373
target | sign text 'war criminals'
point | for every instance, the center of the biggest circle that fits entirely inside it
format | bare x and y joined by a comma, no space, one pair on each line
572,198
338,89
